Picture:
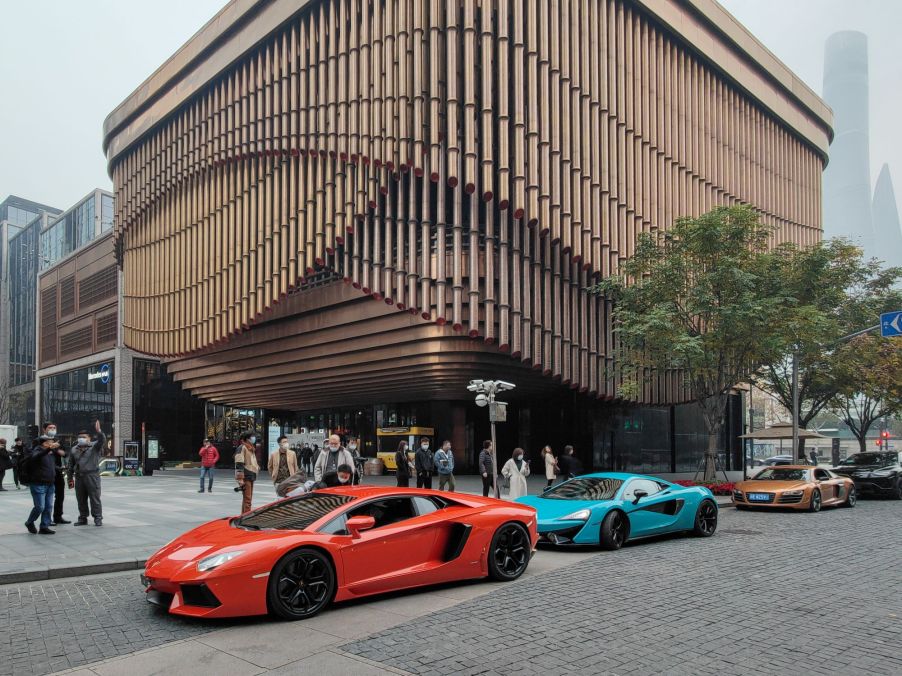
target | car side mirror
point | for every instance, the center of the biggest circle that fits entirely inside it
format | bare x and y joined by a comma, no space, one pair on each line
639,495
357,524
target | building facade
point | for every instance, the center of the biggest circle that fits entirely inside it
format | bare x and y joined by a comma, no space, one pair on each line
366,204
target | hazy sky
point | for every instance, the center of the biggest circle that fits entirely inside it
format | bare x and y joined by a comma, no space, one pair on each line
65,64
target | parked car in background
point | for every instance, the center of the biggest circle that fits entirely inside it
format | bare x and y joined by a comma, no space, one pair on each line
874,473
795,487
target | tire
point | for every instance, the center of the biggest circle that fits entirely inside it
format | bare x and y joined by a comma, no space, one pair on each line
897,494
614,531
301,584
814,505
705,519
851,498
509,552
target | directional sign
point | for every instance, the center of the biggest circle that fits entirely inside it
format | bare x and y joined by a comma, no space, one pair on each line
891,324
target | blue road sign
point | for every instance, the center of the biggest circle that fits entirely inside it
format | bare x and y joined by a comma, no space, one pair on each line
891,324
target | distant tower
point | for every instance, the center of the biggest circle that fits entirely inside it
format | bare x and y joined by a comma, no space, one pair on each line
886,220
847,178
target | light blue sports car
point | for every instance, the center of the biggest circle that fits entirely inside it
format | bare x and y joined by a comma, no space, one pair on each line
609,508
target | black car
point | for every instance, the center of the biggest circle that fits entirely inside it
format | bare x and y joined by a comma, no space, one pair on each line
874,473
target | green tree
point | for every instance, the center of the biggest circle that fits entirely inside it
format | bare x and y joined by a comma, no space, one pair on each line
871,369
831,292
701,298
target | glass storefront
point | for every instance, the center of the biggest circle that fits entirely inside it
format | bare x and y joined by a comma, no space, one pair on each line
75,399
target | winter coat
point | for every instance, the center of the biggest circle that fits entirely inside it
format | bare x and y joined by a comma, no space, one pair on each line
86,460
485,462
444,462
550,465
274,460
43,466
517,477
6,461
570,466
402,460
209,456
424,461
344,457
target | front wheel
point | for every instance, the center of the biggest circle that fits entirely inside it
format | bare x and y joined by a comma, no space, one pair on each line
509,552
851,498
897,494
614,531
814,505
705,519
301,584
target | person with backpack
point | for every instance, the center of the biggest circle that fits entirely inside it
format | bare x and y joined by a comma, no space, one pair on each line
38,470
84,475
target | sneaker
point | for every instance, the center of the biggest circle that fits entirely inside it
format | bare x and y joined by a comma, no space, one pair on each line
98,522
46,531
209,490
31,528
81,523
61,522
201,490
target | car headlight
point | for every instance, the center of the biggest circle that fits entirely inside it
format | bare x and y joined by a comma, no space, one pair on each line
217,560
578,515
793,493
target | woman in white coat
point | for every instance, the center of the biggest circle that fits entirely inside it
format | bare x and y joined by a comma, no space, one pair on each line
550,465
516,470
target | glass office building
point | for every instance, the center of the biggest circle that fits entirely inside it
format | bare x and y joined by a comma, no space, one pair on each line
77,227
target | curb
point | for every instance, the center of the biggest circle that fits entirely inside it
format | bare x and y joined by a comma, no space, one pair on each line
40,574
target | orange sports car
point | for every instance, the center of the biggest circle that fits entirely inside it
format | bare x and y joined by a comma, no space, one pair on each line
795,486
294,556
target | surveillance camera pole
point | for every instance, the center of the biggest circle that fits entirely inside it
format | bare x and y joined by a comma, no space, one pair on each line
490,388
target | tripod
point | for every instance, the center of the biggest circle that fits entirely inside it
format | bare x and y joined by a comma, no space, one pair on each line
718,467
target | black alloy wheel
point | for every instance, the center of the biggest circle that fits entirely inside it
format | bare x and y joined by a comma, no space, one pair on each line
814,505
614,531
897,494
510,552
705,519
851,498
301,584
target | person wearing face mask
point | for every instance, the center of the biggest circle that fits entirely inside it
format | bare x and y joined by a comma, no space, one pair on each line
333,456
42,470
516,470
84,474
424,464
354,450
342,476
15,453
246,469
402,463
283,463
59,483
444,465
209,456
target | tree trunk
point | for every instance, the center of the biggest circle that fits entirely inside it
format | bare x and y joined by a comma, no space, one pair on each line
863,443
800,451
711,456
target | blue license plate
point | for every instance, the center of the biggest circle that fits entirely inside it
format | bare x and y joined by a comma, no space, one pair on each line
759,497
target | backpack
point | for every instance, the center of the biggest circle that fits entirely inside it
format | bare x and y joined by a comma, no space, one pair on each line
23,468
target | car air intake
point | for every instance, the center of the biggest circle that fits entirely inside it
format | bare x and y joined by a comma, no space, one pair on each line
199,595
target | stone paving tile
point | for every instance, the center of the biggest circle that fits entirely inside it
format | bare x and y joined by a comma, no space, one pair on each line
769,592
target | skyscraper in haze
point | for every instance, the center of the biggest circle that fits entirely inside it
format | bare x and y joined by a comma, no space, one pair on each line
885,213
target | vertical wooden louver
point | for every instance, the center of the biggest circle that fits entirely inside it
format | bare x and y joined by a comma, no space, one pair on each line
474,162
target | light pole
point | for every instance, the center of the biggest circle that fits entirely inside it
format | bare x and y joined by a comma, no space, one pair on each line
485,396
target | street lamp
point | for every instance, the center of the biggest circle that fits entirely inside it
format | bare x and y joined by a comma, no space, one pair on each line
485,396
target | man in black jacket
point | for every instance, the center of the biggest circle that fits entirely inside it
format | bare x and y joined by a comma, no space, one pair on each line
569,464
424,464
59,480
43,476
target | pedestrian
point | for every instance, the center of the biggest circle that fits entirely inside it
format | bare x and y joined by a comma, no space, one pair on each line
486,467
246,469
424,464
550,466
307,458
5,462
59,483
814,459
83,469
15,454
354,450
343,475
209,456
42,480
403,468
332,456
282,464
516,470
444,465
569,464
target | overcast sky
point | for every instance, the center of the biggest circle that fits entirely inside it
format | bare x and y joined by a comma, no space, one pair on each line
64,65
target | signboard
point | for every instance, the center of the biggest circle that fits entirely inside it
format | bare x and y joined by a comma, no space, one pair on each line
891,324
102,374
130,459
153,448
274,432
498,412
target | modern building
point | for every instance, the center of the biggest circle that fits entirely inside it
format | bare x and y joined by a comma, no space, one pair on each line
885,212
21,222
338,213
84,371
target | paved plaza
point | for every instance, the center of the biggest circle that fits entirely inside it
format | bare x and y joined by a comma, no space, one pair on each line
770,593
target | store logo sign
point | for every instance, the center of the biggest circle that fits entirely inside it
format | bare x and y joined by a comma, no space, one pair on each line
102,374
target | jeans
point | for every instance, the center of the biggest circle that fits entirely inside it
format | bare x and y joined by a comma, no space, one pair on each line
207,472
446,479
42,495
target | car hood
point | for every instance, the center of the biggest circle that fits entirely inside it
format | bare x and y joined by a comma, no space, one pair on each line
849,470
555,509
768,486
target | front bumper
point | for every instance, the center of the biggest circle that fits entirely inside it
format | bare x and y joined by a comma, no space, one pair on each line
236,594
562,533
875,485
777,500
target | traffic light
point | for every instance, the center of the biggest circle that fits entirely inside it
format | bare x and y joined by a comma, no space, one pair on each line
879,443
884,435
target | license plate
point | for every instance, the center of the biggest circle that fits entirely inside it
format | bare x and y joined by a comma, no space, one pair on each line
759,497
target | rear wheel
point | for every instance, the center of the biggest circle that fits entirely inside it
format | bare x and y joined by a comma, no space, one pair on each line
705,519
851,498
814,505
897,494
614,531
301,584
509,552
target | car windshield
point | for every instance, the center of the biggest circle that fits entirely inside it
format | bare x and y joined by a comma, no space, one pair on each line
293,514
588,488
880,459
782,474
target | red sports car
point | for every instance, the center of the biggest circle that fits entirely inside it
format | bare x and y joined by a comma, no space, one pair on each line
294,556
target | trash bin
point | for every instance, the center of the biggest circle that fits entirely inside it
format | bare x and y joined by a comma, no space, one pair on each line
373,467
